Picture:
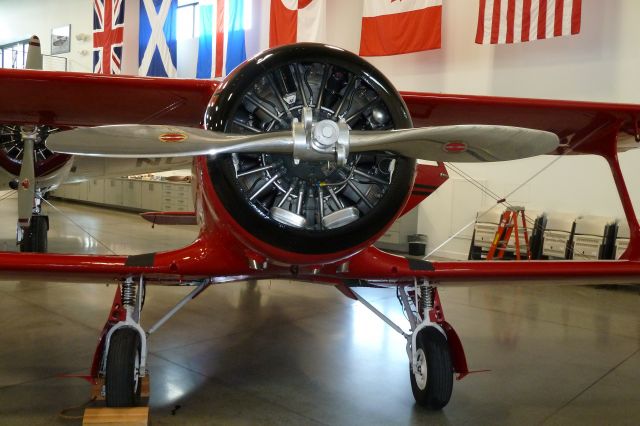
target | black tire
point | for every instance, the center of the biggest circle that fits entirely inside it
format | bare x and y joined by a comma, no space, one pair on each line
436,392
121,382
35,238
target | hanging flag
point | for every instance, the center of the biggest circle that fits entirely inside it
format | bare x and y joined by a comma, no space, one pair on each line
204,68
221,45
294,21
392,27
515,21
158,46
108,34
236,50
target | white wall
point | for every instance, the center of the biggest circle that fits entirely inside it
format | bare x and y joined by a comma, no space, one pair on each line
20,20
599,64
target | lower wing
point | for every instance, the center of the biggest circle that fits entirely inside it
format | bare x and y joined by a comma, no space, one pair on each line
370,267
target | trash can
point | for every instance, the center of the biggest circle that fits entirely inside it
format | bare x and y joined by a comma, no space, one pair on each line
417,244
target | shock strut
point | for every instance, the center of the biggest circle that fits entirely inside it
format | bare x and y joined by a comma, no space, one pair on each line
128,293
425,303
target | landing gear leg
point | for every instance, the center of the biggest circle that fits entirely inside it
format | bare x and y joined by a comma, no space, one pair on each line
32,233
32,227
434,349
120,358
34,238
125,350
430,366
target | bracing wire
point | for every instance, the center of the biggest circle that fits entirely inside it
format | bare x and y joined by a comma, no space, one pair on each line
8,195
493,195
78,225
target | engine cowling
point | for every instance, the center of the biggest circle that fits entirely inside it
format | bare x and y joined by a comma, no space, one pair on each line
309,207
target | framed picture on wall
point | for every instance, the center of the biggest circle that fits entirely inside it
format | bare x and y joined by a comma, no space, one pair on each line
61,40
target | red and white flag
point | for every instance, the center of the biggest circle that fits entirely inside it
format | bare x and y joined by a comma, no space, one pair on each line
516,21
392,27
293,21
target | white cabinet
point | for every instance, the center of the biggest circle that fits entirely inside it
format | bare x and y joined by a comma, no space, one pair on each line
151,196
113,192
395,238
177,197
95,191
131,193
392,236
75,191
61,191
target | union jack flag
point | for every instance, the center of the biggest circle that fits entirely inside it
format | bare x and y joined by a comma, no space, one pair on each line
108,34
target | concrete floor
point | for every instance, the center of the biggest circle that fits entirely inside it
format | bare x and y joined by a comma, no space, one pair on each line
275,352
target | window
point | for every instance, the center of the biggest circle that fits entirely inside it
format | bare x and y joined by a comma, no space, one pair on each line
14,55
187,20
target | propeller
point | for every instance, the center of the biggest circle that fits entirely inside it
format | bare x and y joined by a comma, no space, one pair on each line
459,143
26,181
29,134
34,55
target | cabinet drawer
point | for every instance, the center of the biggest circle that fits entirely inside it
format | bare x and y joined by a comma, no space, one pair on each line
391,237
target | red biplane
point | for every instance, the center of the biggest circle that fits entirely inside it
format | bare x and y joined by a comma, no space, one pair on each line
302,158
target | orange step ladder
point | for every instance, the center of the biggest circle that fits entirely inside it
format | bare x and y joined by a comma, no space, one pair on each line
508,225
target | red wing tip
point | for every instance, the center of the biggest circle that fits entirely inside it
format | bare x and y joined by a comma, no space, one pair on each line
170,218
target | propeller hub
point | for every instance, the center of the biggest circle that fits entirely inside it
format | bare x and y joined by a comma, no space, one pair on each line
324,140
325,134
29,132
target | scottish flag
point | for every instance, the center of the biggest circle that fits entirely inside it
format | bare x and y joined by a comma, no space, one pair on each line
157,53
221,46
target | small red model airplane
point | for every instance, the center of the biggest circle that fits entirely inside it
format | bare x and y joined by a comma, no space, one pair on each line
303,157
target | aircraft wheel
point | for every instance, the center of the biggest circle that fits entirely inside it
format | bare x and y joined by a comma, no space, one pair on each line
35,238
432,382
122,381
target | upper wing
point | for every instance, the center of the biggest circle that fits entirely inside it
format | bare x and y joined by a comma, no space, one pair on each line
579,125
78,99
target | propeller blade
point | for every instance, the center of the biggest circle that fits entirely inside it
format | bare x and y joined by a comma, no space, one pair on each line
463,143
135,141
34,55
460,143
26,184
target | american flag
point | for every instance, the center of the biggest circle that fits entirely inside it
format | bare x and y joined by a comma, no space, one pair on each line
108,34
515,21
